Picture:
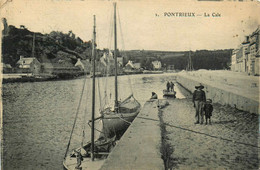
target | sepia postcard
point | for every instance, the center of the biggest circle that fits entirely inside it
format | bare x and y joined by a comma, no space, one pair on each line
130,84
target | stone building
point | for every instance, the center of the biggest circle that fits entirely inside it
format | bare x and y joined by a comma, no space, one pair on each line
246,57
254,52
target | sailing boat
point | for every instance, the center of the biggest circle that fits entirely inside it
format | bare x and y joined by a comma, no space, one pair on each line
115,123
117,120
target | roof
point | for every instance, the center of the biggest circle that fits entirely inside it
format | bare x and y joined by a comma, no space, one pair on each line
25,61
156,62
130,63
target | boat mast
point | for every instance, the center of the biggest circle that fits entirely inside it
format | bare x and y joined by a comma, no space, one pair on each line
33,45
93,89
115,57
189,66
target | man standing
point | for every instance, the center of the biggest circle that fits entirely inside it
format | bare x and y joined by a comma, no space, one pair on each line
168,85
199,99
172,86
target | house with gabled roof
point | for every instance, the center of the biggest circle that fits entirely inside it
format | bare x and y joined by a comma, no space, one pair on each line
28,65
132,66
129,65
157,65
84,65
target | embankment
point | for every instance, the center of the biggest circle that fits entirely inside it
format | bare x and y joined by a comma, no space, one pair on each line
222,91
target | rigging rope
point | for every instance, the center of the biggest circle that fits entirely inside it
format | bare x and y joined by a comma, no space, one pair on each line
109,42
81,95
123,48
96,128
121,32
123,119
84,120
110,31
130,83
100,104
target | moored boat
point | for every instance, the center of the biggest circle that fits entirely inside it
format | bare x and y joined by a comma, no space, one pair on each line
167,93
115,121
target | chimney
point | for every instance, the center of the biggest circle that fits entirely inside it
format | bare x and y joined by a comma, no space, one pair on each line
21,57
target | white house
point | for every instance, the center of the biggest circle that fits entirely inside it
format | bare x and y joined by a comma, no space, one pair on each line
157,64
129,65
79,64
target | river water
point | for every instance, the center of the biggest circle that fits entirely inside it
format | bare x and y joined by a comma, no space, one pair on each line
38,117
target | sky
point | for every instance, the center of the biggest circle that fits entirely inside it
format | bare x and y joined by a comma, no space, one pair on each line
139,27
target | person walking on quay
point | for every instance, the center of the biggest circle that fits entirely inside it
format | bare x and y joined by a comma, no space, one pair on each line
199,99
168,85
172,86
208,108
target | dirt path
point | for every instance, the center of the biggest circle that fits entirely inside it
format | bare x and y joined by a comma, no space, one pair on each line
231,142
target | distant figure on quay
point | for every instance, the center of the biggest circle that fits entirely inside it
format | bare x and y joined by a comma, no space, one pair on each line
199,99
168,85
172,86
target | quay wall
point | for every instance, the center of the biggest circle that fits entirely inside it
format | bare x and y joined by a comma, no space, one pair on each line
221,95
139,147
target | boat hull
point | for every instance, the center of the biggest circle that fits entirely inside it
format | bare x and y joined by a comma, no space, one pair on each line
169,93
117,124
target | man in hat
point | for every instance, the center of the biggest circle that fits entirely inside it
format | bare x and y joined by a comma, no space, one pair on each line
199,99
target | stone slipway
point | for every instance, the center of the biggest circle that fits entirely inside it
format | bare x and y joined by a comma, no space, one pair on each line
139,148
235,91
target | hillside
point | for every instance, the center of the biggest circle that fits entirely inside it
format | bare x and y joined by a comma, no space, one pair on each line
66,47
201,59
52,47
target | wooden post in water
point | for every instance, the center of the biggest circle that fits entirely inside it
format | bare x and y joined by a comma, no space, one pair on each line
93,89
115,57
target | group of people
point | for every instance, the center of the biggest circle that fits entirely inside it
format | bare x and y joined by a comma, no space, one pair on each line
170,86
202,105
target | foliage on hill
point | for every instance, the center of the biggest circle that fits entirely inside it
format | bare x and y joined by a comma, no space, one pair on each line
201,59
57,46
215,60
66,46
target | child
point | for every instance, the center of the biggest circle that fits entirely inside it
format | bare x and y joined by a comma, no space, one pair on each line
208,108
